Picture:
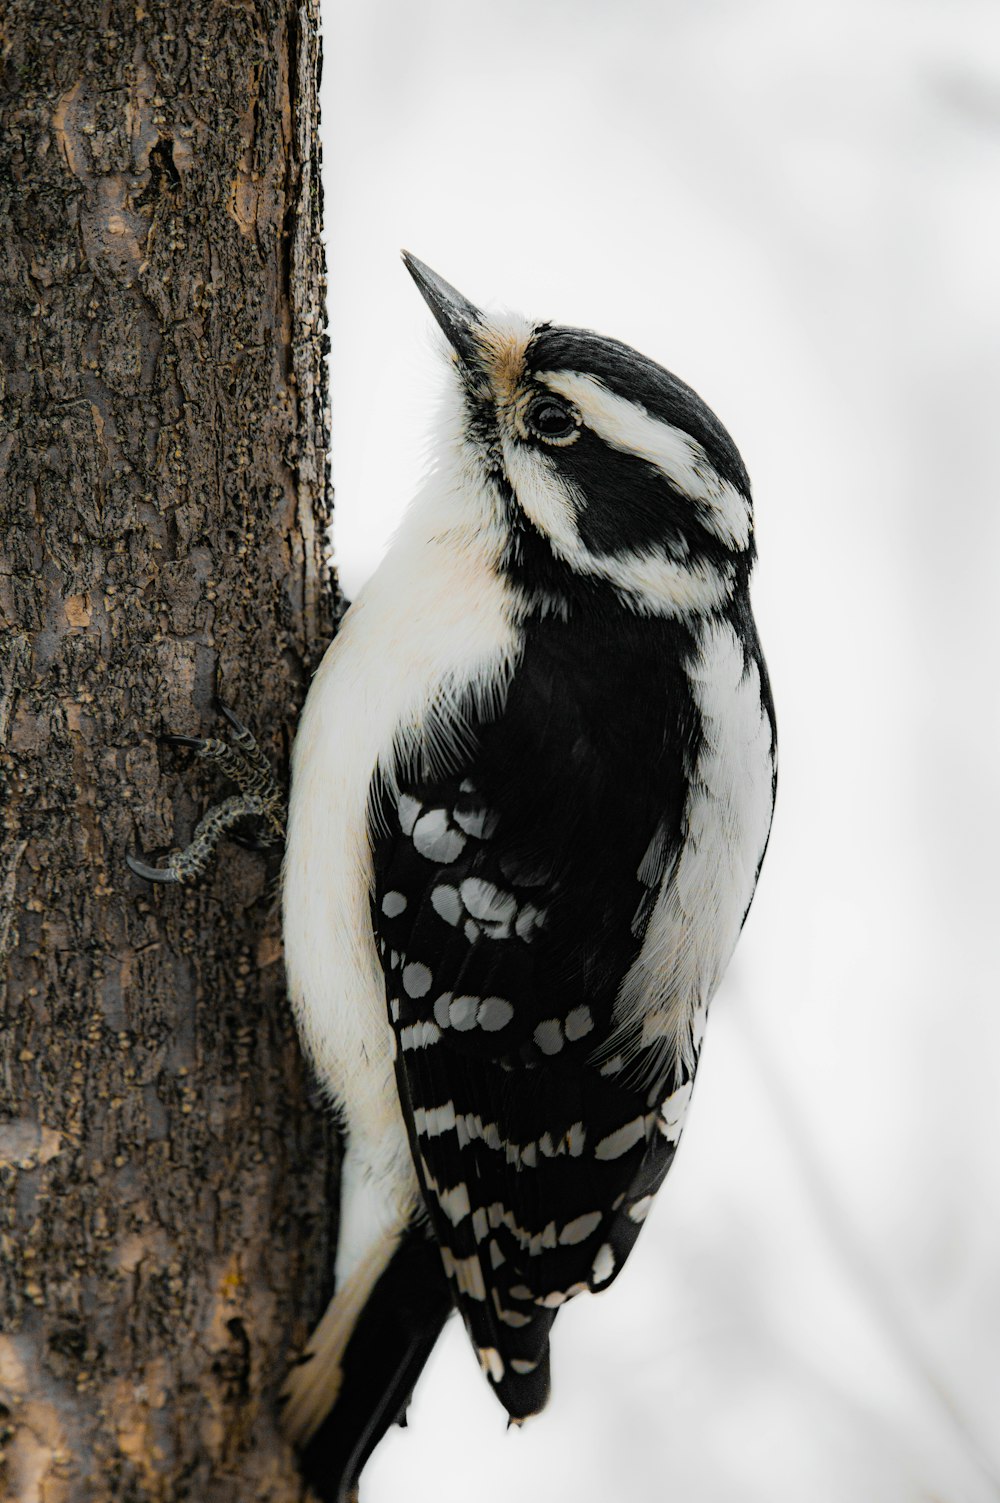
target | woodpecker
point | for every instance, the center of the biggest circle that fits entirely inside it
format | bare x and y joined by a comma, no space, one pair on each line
531,792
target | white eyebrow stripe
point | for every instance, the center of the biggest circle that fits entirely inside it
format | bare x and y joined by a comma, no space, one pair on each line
629,427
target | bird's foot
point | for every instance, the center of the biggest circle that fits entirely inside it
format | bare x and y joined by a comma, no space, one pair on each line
260,799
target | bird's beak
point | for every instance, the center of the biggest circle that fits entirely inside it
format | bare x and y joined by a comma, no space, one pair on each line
459,319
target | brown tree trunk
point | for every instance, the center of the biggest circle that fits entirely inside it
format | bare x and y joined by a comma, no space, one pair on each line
164,1183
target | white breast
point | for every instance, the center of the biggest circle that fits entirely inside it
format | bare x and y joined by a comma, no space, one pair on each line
433,620
700,908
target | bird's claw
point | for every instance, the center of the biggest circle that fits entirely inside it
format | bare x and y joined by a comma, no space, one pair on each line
150,873
171,738
234,721
259,798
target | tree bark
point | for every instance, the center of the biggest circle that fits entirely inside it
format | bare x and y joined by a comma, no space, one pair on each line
165,1183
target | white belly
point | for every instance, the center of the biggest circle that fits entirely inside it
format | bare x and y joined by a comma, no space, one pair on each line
433,618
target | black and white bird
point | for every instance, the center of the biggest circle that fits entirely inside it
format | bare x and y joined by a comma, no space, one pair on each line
531,793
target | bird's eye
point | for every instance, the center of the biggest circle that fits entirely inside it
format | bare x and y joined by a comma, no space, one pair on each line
551,420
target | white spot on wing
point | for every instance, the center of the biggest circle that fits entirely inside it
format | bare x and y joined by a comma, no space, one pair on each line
542,1241
578,1023
437,1119
579,1229
620,1141
528,920
549,1036
673,1111
512,1317
393,904
436,839
462,1013
487,903
455,1203
416,980
407,810
447,904
419,1036
467,1273
604,1266
494,1013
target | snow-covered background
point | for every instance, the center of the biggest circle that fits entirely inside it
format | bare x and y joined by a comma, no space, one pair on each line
795,205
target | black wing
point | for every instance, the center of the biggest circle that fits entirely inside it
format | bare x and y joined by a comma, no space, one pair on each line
511,896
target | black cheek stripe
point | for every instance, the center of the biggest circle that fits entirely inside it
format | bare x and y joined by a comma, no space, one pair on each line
630,506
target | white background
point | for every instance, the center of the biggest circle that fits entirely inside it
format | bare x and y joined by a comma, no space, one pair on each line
795,207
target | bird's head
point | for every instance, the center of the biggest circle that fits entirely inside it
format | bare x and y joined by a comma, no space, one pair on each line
610,474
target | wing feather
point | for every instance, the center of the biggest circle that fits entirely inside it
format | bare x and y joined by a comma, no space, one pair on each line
530,1156
513,887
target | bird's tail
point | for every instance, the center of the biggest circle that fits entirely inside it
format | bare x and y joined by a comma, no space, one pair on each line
357,1372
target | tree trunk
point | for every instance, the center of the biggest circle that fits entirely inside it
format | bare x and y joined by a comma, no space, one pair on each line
165,1185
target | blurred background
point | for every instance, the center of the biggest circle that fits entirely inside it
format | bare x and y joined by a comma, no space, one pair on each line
795,207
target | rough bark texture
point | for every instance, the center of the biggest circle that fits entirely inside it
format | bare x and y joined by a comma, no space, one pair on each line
164,1181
